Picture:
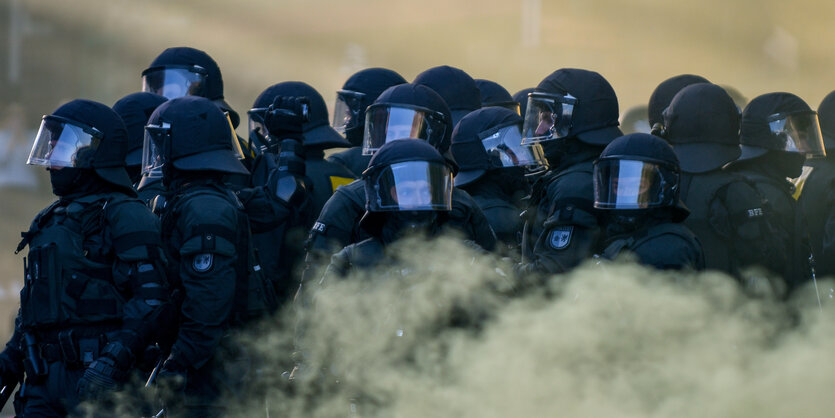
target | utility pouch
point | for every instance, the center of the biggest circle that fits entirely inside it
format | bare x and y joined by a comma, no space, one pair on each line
68,348
34,364
41,298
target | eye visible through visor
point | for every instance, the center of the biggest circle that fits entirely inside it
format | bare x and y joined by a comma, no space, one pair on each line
62,142
798,132
175,81
548,117
346,112
505,149
385,123
414,185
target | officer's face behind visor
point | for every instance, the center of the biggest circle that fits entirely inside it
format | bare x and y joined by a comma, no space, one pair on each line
64,143
258,134
175,81
630,184
384,123
156,137
504,149
414,186
346,112
798,132
548,117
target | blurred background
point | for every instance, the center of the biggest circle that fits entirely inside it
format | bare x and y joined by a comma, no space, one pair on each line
52,52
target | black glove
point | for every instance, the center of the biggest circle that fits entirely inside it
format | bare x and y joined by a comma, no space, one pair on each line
173,375
286,117
103,375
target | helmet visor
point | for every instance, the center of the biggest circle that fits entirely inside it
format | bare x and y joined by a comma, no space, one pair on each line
798,132
384,123
258,134
413,185
548,116
346,112
175,81
156,136
630,184
504,149
64,143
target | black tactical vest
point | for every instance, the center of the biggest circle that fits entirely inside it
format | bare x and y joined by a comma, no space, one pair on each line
254,293
730,240
69,271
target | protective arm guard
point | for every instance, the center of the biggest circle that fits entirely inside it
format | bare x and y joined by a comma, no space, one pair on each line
148,315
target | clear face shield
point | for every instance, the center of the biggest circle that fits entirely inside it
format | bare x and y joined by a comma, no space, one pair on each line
258,134
62,142
631,184
413,186
384,123
156,138
175,81
346,112
798,132
504,149
548,117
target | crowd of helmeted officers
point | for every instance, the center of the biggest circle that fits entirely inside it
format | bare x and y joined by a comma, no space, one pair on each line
170,230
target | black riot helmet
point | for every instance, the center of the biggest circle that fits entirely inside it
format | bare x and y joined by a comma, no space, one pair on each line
135,109
407,111
86,135
572,103
191,134
521,97
779,122
702,125
826,116
358,92
489,139
493,94
317,131
638,172
184,71
664,93
408,176
455,86
635,120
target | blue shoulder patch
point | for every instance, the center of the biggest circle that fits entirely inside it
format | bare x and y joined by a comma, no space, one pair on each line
560,237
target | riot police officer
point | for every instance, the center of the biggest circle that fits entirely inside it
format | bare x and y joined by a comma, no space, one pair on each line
816,193
664,93
207,239
458,90
405,111
778,132
135,109
574,114
727,213
358,92
95,293
493,94
492,165
324,176
185,71
636,186
408,187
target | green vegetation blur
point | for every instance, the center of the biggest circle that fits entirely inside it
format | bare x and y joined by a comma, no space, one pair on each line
55,51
